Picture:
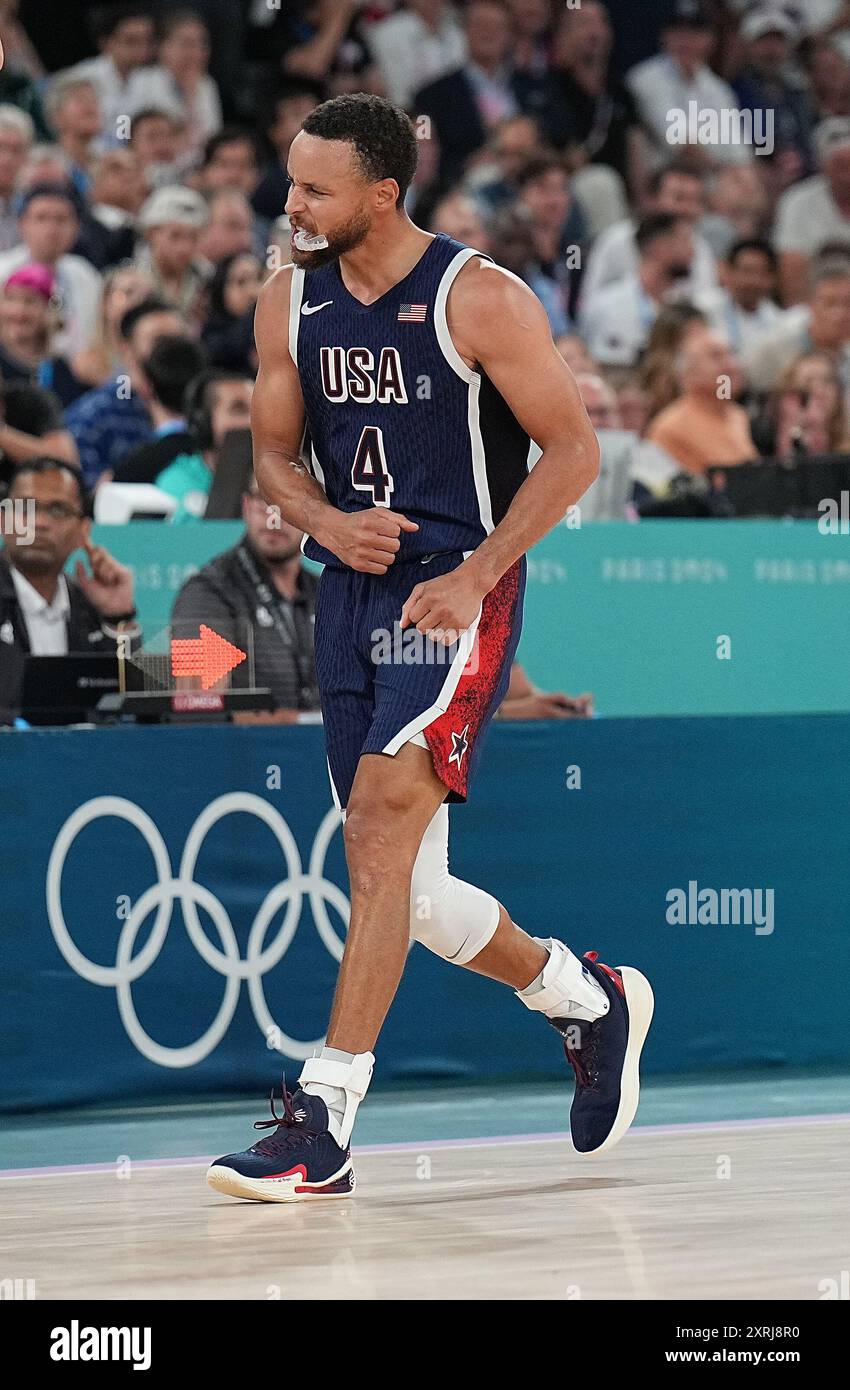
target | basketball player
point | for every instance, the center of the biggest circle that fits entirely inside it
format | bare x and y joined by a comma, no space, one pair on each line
422,372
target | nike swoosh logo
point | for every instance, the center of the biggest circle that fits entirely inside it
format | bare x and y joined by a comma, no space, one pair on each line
314,308
459,949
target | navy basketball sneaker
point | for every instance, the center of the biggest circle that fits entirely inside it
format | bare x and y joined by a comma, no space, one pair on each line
605,1057
299,1162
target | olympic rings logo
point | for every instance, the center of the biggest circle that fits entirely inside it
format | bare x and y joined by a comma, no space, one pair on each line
227,961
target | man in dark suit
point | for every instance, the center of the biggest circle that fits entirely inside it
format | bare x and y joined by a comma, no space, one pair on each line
468,103
43,611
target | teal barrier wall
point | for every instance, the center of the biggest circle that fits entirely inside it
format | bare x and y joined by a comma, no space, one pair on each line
635,613
111,989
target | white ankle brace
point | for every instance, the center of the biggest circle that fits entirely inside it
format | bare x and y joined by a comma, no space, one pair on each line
567,991
322,1076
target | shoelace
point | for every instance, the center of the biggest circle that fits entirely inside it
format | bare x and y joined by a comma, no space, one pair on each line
289,1130
583,1063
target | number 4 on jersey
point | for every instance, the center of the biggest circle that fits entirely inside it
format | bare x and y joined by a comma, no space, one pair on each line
369,472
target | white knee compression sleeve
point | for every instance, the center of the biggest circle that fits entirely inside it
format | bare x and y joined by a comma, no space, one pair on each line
452,918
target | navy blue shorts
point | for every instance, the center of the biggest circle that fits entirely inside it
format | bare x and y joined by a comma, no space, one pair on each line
380,686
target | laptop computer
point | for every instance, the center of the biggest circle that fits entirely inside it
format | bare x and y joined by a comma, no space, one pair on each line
66,689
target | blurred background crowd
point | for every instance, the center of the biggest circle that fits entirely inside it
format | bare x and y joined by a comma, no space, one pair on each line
700,291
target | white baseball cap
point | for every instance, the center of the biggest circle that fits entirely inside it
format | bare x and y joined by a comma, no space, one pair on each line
831,135
174,203
769,21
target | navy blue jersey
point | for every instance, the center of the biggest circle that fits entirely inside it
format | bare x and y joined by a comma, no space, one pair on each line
394,416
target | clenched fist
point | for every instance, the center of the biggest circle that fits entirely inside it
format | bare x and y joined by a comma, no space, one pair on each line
367,541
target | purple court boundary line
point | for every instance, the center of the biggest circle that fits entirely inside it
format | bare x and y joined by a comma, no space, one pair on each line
416,1146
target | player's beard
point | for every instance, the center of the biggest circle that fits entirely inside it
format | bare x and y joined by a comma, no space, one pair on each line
345,238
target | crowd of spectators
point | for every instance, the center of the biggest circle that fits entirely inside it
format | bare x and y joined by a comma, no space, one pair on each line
699,286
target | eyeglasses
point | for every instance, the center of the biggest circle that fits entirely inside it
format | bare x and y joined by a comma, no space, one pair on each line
57,511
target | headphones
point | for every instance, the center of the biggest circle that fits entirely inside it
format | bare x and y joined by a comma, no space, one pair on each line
198,408
198,403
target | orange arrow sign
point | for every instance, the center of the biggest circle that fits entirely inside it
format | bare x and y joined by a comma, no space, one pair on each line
209,656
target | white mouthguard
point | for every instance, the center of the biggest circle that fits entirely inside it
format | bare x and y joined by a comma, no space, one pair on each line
305,241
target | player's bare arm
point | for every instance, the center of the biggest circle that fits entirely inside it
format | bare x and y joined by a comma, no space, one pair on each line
365,540
498,323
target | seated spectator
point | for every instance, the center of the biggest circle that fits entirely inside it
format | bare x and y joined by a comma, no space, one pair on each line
738,210
558,225
123,287
574,351
632,404
74,113
125,39
824,326
705,425
675,189
815,211
181,82
43,610
531,47
117,192
228,331
174,363
766,83
231,164
745,309
617,320
28,322
512,244
155,138
217,402
809,410
230,229
609,496
526,701
112,419
656,373
513,144
588,112
829,78
416,46
49,224
680,75
465,105
45,164
289,109
458,216
30,424
16,137
172,221
260,583
600,401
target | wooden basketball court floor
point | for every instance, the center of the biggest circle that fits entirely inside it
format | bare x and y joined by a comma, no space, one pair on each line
728,1187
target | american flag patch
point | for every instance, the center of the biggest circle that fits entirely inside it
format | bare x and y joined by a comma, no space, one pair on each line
412,313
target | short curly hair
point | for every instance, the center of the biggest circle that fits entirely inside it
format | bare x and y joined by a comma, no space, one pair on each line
382,135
